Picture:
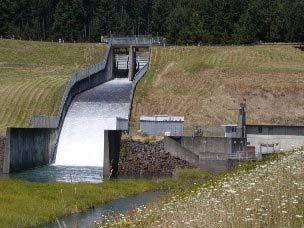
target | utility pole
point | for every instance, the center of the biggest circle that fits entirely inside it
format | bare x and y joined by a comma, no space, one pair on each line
242,119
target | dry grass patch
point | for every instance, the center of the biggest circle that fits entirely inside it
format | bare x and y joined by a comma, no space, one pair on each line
206,84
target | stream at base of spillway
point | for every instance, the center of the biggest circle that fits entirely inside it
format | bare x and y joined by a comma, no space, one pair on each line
62,174
98,215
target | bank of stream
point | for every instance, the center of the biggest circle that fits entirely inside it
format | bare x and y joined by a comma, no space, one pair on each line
144,167
98,215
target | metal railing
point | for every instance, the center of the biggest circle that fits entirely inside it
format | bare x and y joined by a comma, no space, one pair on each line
134,40
187,131
214,156
207,131
242,155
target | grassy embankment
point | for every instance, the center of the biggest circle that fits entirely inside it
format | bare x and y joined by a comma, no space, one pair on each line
26,204
267,193
33,76
206,84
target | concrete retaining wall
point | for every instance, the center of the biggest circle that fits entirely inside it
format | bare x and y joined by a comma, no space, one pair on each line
28,148
2,151
215,166
173,146
212,147
209,153
111,153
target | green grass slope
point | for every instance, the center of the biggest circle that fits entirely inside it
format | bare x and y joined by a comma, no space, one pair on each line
206,84
26,204
33,77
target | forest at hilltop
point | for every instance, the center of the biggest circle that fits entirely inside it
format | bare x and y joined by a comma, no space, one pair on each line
180,21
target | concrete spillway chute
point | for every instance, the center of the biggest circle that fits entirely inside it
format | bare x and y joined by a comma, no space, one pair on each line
94,110
91,131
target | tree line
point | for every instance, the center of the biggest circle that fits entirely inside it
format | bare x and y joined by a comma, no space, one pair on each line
180,21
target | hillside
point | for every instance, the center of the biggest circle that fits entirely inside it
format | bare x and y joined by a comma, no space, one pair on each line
33,76
206,84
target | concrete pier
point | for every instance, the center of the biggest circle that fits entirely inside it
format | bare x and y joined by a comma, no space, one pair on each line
28,148
112,140
132,63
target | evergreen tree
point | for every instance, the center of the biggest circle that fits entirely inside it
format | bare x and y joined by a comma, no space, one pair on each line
5,15
182,21
69,20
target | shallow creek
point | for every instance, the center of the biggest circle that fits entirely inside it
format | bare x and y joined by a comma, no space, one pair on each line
93,217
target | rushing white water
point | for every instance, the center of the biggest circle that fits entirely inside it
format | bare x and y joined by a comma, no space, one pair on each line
81,141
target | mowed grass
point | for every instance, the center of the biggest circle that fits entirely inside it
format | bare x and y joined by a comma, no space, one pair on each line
27,204
206,84
33,77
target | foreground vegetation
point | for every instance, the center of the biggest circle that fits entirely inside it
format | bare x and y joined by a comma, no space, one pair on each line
206,84
33,77
27,204
263,194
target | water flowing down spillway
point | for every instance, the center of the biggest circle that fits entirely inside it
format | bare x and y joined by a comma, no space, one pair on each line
81,143
80,151
81,140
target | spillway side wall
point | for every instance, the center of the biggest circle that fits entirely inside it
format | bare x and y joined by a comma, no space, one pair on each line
111,153
2,151
90,78
34,147
28,148
83,80
139,75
